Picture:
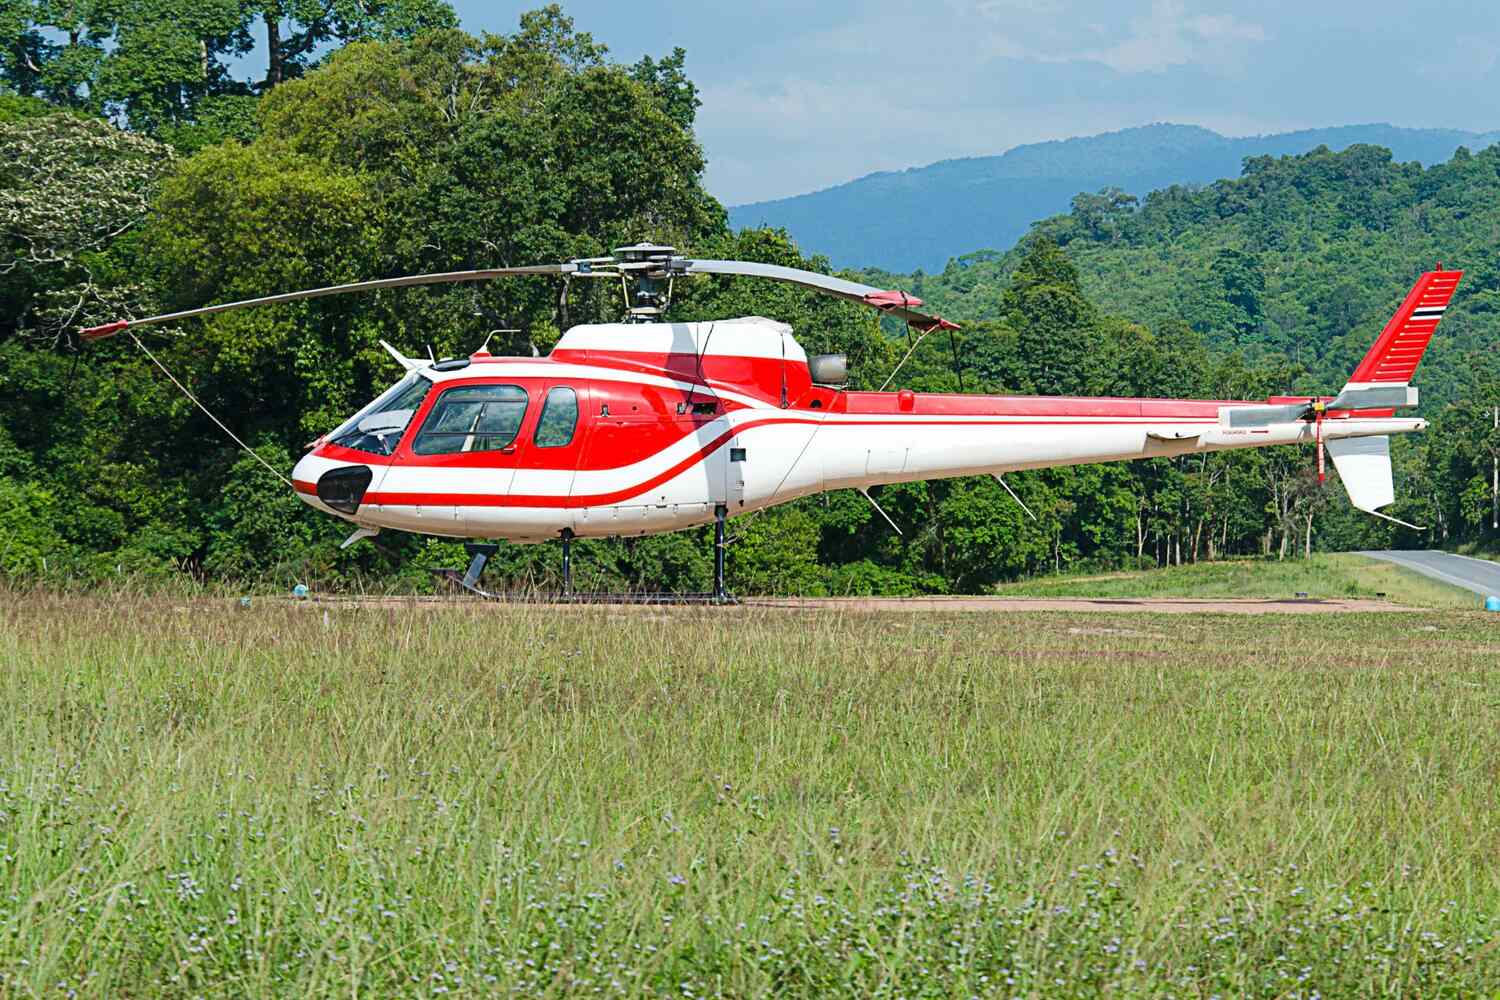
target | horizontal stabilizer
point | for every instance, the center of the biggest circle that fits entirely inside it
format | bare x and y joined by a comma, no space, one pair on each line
1265,414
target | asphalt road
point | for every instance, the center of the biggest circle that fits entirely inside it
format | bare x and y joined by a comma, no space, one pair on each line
1479,575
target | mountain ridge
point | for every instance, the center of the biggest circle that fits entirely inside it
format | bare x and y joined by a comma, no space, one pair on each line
919,217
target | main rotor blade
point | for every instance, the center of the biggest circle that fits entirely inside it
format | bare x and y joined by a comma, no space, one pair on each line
437,278
893,303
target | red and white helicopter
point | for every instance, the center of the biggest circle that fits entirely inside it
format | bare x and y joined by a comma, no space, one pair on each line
644,426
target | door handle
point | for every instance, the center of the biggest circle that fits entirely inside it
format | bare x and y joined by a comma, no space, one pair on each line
509,449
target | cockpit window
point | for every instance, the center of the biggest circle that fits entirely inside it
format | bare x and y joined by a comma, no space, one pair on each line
554,428
472,418
378,427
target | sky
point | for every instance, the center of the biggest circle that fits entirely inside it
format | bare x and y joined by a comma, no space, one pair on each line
799,96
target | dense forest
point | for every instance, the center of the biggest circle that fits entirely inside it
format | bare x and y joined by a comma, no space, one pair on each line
136,175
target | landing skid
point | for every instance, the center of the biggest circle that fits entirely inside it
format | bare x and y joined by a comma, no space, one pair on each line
480,553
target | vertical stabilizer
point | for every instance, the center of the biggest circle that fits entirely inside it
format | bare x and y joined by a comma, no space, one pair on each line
1394,357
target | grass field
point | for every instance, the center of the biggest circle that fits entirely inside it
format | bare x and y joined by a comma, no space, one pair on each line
201,799
1323,575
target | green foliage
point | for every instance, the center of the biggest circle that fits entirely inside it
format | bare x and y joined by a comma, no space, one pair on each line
258,528
1301,259
15,108
408,150
1045,304
237,220
218,118
70,187
777,553
667,79
984,537
28,536
165,65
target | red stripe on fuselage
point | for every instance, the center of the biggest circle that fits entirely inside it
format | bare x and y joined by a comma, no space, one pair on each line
643,419
394,499
423,499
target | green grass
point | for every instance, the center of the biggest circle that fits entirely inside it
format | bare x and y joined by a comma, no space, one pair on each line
1322,576
201,799
1479,550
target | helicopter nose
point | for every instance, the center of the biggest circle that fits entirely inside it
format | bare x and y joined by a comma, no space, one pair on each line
305,479
304,474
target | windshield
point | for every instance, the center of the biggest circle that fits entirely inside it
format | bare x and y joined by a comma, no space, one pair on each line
378,427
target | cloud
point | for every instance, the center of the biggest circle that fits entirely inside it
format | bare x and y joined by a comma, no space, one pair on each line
872,93
1473,58
1216,26
799,96
1165,36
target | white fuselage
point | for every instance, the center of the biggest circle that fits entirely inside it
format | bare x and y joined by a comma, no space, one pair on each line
760,454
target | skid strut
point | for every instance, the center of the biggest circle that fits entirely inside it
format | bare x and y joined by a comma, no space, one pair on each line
721,595
480,554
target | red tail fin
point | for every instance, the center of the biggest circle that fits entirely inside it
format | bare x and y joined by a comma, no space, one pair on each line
1401,344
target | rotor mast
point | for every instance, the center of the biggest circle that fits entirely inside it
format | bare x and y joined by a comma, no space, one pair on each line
646,277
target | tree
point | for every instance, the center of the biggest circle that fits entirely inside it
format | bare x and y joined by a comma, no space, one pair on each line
667,79
985,536
28,540
296,29
1102,215
1054,322
69,187
165,65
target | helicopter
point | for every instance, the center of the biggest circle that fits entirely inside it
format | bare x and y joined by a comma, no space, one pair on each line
643,426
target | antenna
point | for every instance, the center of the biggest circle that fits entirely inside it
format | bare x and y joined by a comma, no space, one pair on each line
484,348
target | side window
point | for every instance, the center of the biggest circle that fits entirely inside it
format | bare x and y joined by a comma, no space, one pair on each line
472,418
554,428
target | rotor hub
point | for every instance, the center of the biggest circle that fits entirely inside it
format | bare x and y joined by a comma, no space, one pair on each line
645,271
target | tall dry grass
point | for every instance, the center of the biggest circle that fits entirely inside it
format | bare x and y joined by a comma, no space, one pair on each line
201,799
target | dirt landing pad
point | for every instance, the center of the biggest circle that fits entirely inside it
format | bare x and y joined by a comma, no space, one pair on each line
1159,605
930,605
